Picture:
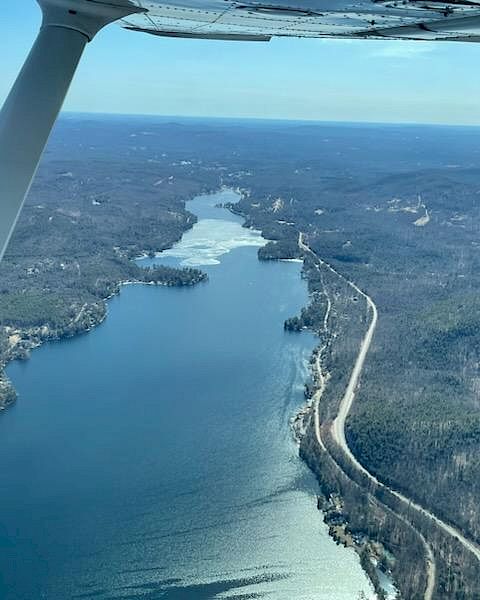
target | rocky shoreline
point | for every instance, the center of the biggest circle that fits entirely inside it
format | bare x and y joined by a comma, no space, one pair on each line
374,557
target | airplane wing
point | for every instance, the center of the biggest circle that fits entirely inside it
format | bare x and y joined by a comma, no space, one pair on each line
458,20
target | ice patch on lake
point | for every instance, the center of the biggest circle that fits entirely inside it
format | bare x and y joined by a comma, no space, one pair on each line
210,239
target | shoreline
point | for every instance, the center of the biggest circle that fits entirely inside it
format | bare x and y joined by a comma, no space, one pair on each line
32,338
93,315
364,511
387,498
312,516
370,552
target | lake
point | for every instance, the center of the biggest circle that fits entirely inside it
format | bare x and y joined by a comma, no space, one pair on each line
153,457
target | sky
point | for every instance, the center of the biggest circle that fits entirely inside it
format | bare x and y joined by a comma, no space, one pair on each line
326,80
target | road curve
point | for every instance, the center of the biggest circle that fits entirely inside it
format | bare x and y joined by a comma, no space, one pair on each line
338,433
338,429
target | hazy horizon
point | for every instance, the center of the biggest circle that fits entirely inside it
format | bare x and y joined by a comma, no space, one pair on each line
99,113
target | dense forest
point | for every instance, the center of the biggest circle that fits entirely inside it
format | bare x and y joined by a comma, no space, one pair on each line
394,209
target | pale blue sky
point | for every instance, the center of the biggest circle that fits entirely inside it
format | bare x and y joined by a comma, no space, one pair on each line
126,72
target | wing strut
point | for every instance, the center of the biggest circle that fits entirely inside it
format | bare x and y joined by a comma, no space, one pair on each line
31,109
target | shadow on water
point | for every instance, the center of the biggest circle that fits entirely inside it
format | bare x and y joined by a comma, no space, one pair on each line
172,589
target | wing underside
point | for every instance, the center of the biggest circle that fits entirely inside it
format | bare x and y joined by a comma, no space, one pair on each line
255,20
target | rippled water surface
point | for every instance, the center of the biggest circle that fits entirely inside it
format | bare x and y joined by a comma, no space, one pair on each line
152,458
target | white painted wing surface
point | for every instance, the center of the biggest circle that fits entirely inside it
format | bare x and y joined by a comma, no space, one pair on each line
458,20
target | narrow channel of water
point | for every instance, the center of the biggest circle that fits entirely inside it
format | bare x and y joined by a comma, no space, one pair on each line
152,458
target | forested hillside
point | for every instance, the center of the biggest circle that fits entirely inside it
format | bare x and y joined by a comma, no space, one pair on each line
400,218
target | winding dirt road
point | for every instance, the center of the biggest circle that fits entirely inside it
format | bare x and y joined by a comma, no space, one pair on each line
338,429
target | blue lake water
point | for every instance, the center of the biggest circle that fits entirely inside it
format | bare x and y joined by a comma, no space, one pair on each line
153,457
